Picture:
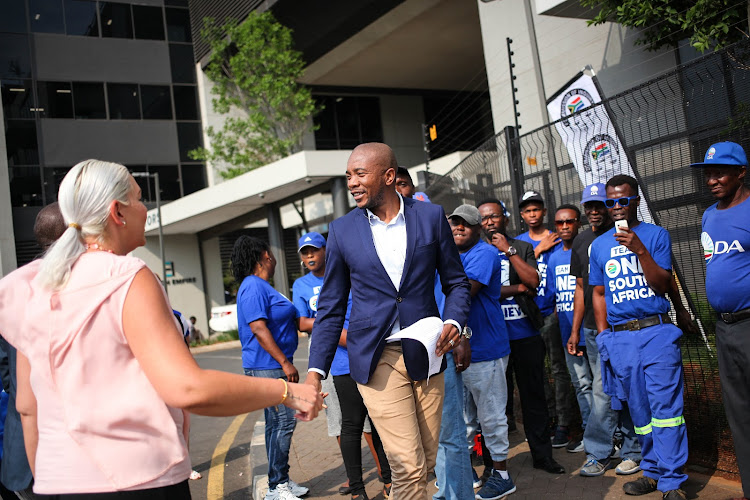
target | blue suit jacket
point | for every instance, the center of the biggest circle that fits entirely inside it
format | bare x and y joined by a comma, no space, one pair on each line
352,263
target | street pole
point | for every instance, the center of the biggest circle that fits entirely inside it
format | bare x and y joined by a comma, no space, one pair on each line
161,231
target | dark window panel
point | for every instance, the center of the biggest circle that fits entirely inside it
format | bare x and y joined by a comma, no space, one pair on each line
80,18
193,177
13,19
325,135
182,63
25,186
347,118
143,182
123,101
156,102
186,102
15,56
176,3
52,177
20,140
18,99
116,20
169,182
178,25
88,101
55,99
369,119
148,22
189,137
46,16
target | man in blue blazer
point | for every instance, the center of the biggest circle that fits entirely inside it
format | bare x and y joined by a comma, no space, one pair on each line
386,251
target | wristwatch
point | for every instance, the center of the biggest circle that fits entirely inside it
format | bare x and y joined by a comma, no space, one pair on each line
466,332
511,251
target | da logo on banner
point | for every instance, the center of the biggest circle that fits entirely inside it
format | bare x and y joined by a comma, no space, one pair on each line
574,101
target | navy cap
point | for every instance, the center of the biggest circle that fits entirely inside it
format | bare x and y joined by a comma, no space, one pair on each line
724,153
594,192
311,239
530,196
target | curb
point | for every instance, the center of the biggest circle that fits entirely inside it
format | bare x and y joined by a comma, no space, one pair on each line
259,460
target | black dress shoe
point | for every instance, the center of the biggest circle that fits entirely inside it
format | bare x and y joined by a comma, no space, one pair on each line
549,464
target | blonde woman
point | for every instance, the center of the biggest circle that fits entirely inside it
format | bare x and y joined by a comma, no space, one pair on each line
104,379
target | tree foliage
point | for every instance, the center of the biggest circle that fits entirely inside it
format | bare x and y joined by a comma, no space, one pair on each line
665,23
254,69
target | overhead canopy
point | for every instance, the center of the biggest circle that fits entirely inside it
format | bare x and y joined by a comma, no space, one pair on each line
292,177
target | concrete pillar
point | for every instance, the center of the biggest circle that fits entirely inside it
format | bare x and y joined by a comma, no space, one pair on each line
7,237
276,240
339,192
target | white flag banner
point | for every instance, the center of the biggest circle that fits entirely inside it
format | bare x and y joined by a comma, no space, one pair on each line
590,137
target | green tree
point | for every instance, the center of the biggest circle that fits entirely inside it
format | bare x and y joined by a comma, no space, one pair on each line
665,23
254,69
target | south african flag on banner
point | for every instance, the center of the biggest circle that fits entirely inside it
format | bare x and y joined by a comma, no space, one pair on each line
575,105
600,151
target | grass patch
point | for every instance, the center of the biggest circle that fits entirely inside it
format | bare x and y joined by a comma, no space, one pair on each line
217,339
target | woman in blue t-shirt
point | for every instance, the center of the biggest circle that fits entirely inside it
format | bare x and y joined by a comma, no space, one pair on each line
268,324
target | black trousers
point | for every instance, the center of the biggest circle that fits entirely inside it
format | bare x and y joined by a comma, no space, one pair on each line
733,349
527,360
353,414
179,491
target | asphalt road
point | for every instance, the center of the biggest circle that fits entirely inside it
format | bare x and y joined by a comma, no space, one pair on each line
222,444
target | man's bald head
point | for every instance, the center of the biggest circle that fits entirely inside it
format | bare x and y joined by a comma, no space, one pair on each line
375,153
49,225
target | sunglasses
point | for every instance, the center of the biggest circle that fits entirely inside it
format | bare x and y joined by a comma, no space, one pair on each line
623,202
562,222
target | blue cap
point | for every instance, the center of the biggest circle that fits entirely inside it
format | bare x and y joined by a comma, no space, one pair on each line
311,239
421,196
724,153
594,192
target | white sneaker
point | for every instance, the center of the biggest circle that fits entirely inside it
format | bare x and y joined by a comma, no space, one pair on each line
627,467
281,492
298,489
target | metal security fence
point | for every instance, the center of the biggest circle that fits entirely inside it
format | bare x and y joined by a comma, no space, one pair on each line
663,125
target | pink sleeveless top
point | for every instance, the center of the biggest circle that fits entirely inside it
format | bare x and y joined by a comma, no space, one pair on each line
102,426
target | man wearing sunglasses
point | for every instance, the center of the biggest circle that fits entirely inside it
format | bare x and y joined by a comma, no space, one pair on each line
726,248
631,272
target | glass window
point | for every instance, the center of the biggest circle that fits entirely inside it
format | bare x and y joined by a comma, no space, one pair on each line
169,182
123,101
15,57
55,99
148,22
156,102
347,118
193,178
186,102
46,16
20,139
143,182
325,135
25,186
18,99
88,100
188,137
80,18
176,3
178,25
182,63
116,20
369,119
13,19
51,178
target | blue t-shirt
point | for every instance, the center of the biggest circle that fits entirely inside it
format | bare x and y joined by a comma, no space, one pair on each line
545,301
626,291
305,292
489,338
562,285
726,249
257,299
516,322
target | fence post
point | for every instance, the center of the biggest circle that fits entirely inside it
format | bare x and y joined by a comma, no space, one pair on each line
515,163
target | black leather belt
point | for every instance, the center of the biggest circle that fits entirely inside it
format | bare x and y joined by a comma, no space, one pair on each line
734,317
638,324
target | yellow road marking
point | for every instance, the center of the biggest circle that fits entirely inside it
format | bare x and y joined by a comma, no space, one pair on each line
216,472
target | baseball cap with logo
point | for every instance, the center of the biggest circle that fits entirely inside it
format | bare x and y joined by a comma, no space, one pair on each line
469,213
594,192
311,239
723,153
530,196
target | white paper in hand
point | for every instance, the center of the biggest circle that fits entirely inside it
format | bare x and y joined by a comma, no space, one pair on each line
427,331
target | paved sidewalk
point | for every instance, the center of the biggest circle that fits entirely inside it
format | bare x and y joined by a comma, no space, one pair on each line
315,462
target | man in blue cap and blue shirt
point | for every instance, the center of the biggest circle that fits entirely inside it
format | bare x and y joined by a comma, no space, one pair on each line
726,248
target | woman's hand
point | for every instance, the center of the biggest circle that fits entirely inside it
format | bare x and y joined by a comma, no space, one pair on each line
306,399
290,371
